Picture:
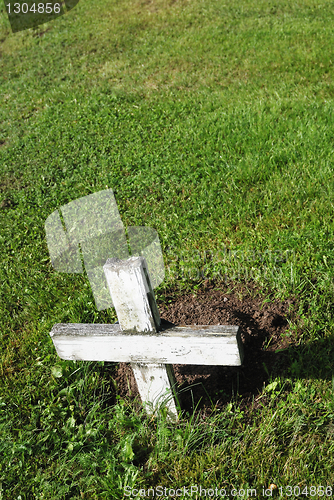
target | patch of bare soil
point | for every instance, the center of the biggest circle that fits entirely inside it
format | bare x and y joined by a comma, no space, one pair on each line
263,327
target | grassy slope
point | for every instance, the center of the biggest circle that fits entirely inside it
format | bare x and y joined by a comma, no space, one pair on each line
212,123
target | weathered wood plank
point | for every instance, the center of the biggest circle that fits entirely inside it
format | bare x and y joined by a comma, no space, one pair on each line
132,294
167,328
196,345
137,312
155,385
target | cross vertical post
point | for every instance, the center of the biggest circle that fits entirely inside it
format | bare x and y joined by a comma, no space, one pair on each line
137,312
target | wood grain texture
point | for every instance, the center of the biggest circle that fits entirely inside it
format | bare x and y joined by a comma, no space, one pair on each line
132,294
157,387
137,312
196,345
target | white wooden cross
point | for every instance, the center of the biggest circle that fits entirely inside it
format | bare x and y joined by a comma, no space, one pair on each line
141,338
91,231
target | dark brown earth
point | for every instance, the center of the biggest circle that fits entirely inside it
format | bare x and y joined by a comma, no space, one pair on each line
264,328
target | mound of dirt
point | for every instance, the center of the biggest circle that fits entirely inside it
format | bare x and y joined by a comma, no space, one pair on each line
262,324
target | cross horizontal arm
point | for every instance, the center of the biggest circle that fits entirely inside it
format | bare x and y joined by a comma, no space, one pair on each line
196,345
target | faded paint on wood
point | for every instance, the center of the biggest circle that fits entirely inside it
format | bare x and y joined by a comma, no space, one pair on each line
167,328
132,294
137,312
196,345
156,386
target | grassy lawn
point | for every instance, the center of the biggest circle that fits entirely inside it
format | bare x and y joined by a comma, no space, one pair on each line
214,124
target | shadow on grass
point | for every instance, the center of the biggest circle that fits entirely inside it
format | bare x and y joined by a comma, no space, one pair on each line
217,385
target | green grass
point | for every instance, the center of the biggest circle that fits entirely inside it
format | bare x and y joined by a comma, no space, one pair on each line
212,123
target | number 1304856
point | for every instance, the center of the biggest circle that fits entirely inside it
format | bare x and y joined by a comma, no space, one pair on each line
307,491
35,8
